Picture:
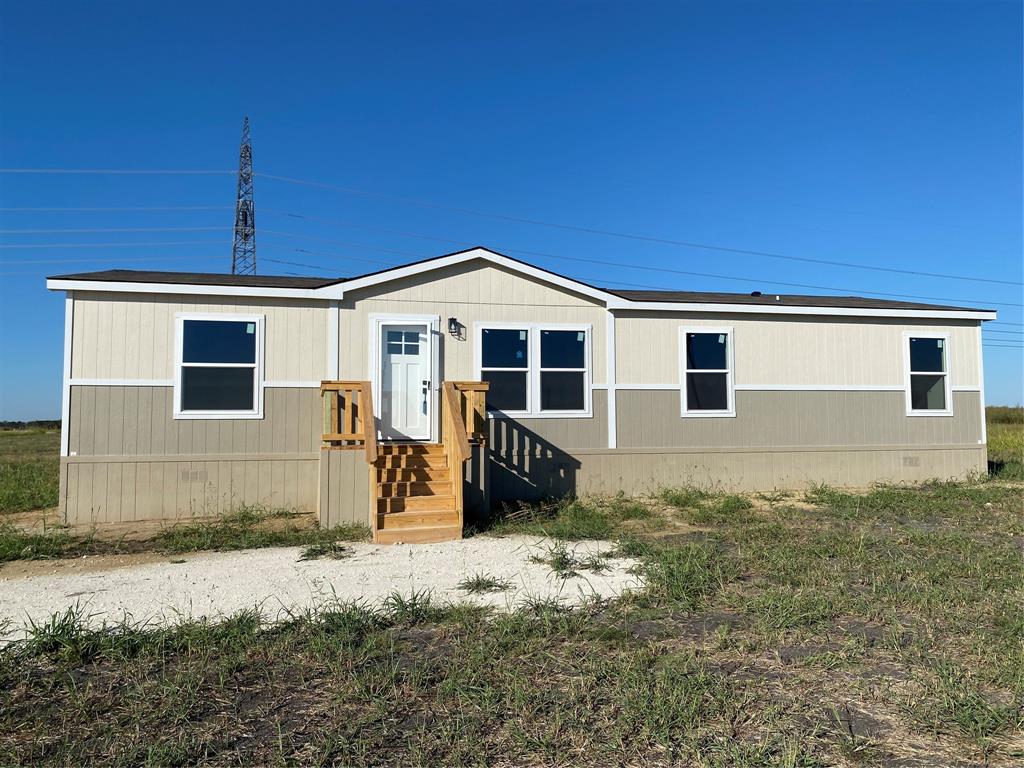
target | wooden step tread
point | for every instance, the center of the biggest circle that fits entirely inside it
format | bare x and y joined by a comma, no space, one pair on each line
413,474
412,461
416,519
423,535
410,449
439,503
416,488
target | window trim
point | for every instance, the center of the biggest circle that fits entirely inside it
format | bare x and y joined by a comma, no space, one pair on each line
258,377
730,372
947,373
533,368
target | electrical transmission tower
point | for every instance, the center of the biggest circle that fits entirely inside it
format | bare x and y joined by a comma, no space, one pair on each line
243,250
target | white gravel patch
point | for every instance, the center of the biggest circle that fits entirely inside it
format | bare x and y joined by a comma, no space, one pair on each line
215,584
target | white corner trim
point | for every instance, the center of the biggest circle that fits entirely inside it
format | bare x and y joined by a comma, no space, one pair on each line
258,385
333,333
981,389
610,378
65,396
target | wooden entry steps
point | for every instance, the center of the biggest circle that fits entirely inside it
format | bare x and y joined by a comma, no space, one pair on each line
415,500
415,488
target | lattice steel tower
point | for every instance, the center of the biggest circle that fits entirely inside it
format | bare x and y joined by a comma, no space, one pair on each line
243,250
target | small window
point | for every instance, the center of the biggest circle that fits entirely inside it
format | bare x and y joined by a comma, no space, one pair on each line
535,370
707,372
563,370
218,371
928,388
505,362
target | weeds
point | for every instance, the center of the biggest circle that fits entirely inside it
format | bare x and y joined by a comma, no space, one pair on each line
482,584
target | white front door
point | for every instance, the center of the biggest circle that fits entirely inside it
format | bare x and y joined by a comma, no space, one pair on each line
406,389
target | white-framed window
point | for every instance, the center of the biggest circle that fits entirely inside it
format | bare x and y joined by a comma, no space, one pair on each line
926,362
218,370
706,372
537,370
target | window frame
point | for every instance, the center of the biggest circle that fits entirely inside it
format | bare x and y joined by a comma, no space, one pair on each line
258,366
730,372
947,374
533,368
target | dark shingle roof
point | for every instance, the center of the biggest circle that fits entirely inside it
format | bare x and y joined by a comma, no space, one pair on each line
201,278
674,297
783,300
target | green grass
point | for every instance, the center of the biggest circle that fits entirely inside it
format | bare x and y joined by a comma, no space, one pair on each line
29,469
818,629
482,584
245,528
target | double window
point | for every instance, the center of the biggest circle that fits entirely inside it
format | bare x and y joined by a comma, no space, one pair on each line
219,366
928,373
707,372
536,369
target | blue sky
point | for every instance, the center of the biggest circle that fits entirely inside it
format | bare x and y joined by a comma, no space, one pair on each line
887,134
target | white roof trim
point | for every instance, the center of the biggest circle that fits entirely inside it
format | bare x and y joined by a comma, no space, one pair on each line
612,301
458,258
770,309
186,288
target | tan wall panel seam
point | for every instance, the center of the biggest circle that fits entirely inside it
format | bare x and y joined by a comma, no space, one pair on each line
160,458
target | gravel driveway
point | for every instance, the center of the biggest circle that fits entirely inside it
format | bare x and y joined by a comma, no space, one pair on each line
209,584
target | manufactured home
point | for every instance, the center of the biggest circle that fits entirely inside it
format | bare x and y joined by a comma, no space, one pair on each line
409,398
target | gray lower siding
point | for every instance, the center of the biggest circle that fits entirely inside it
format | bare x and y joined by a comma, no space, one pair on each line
134,462
778,439
778,419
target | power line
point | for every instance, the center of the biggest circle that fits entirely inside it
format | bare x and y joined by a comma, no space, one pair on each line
119,209
111,245
631,236
450,241
524,220
117,171
110,229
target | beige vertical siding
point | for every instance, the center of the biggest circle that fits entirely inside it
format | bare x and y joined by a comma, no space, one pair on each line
471,292
650,419
134,421
772,350
136,489
131,336
344,488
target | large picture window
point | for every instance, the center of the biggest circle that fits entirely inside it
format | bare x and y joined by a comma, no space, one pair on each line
536,370
707,372
219,366
928,375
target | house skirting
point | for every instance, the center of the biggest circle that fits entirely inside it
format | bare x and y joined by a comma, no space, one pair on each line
635,471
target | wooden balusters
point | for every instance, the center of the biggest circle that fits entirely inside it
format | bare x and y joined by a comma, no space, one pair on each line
348,416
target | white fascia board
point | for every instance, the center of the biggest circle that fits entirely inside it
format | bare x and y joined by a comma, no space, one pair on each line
338,291
186,288
768,309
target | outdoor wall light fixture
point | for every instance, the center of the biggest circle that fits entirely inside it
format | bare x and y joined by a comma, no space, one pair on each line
456,329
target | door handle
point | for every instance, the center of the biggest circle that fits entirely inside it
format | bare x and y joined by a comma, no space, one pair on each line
426,386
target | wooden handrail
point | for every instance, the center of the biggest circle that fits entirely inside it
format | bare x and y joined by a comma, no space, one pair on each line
475,393
455,427
369,423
